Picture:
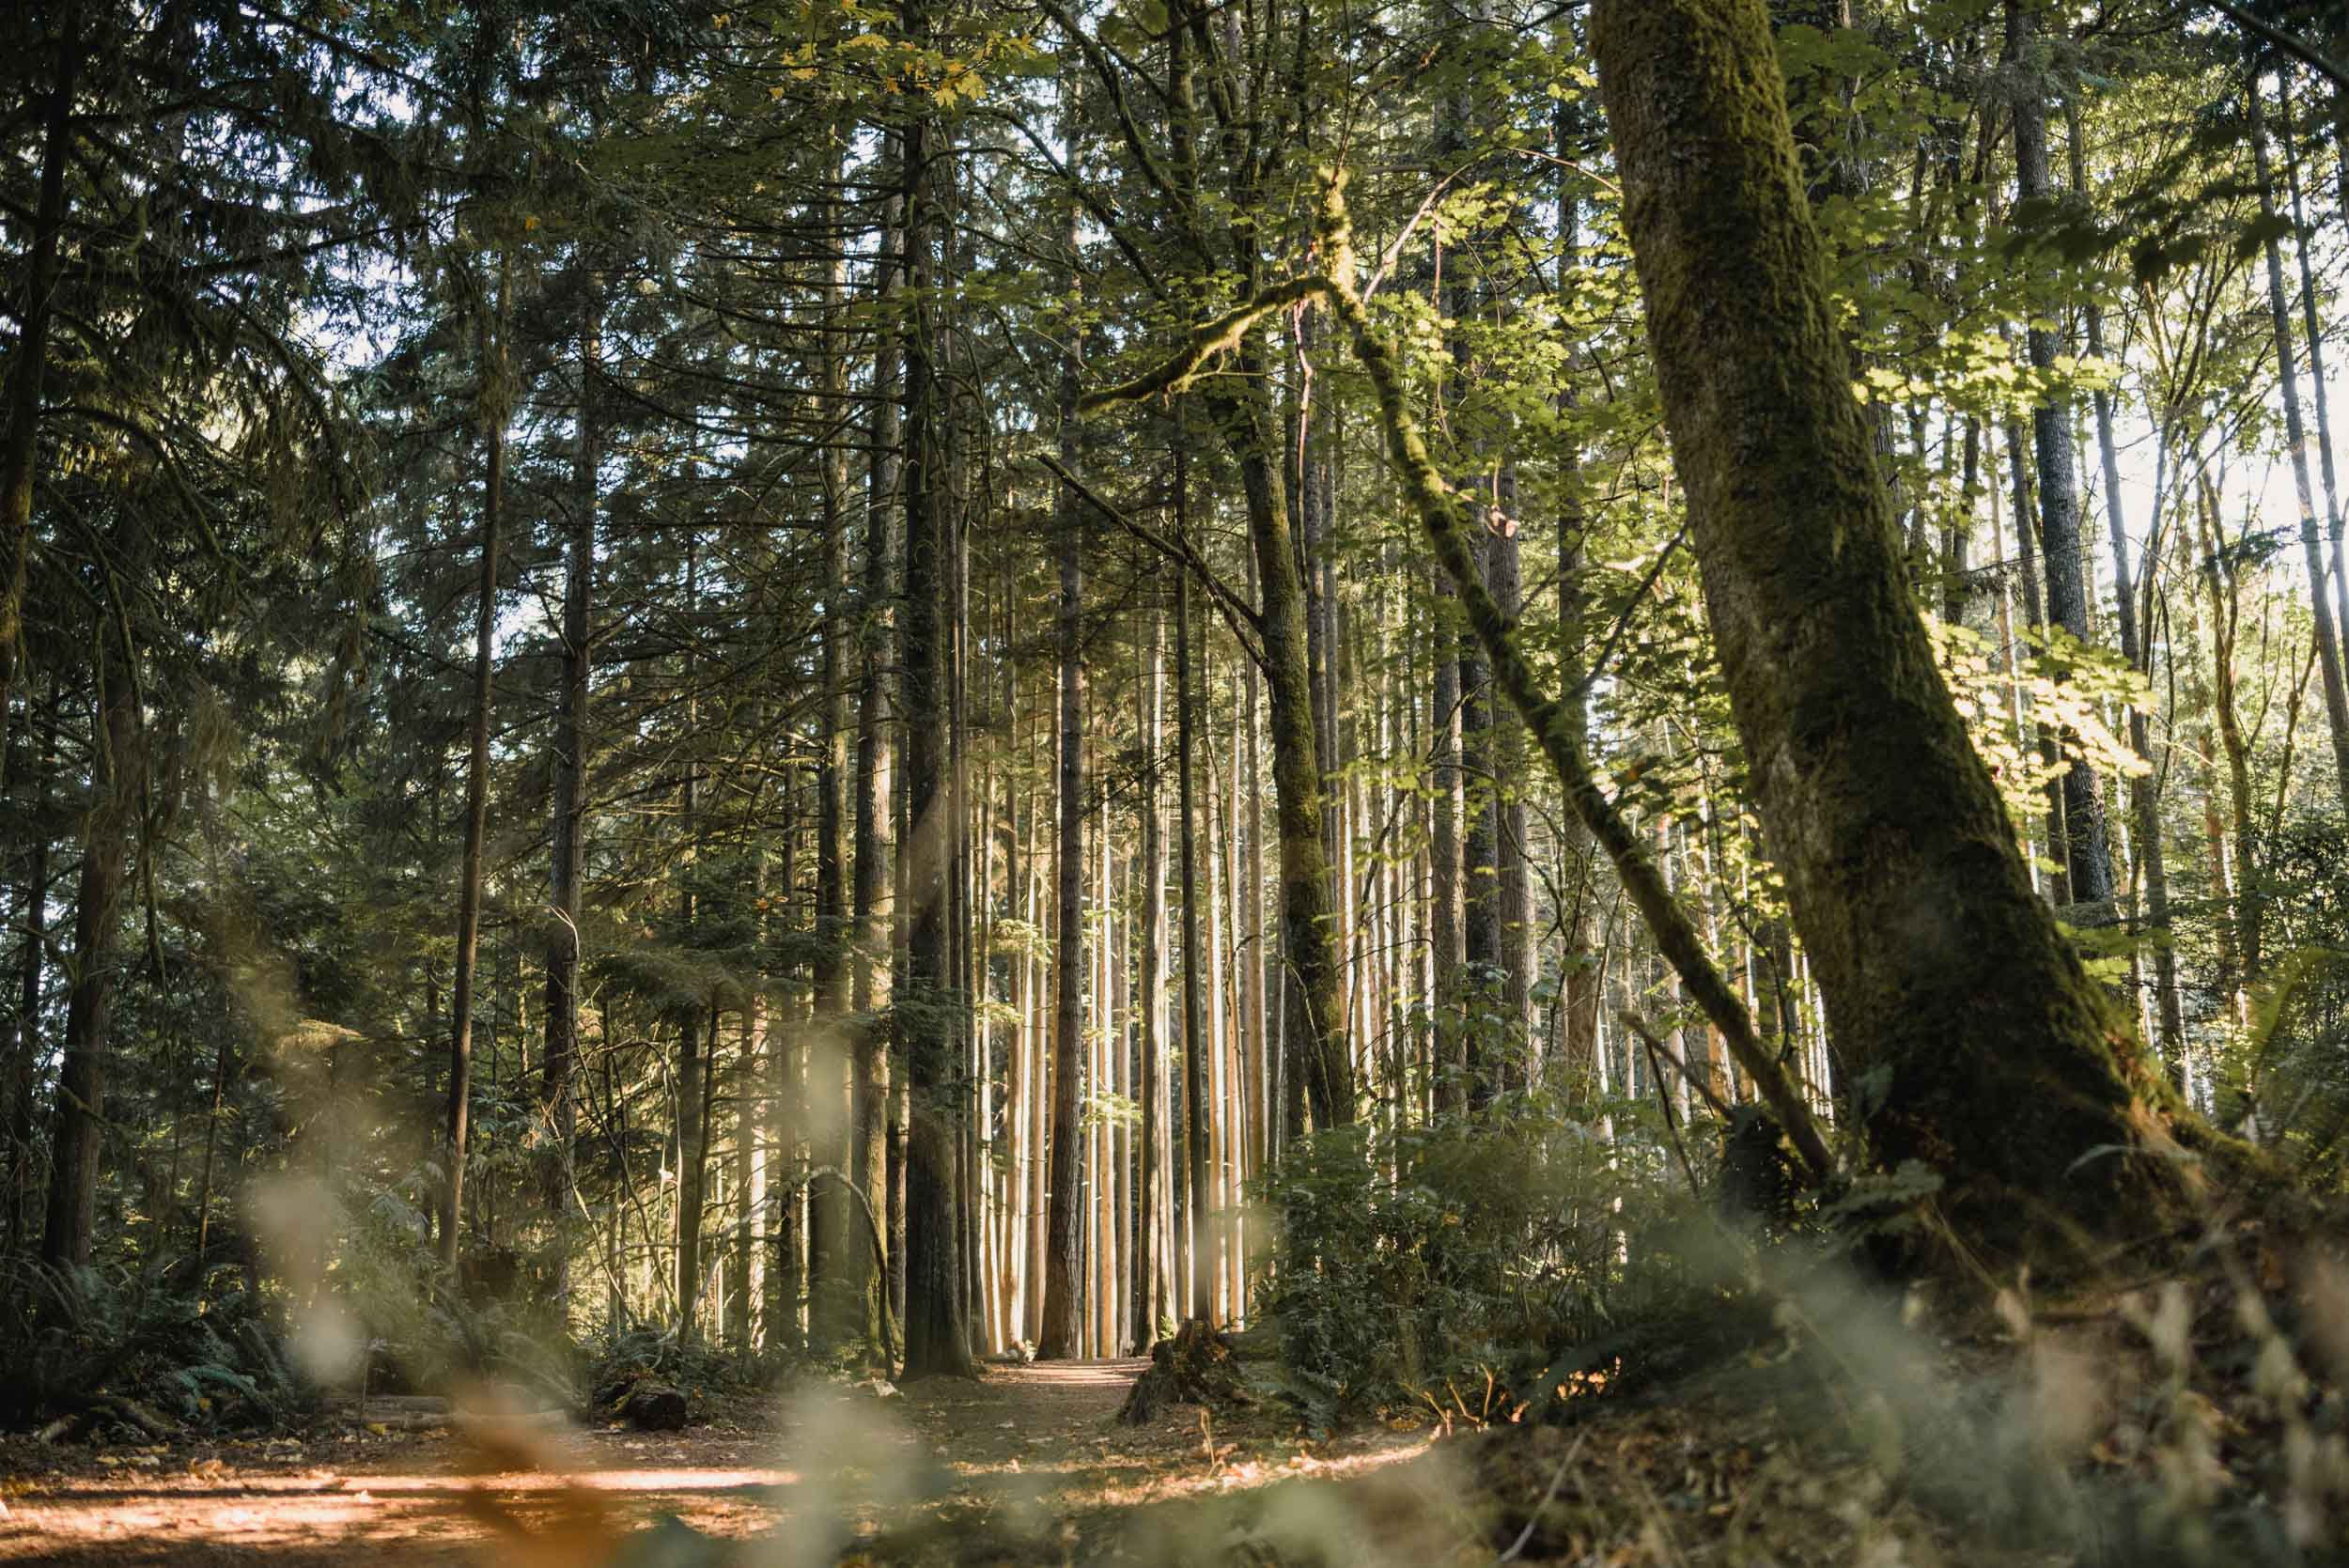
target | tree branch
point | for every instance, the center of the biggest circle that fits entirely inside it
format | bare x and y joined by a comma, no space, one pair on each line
1237,613
1559,738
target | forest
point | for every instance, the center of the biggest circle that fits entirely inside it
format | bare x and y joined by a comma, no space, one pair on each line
1178,781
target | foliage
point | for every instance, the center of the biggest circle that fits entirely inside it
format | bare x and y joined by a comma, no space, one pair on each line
75,1334
1451,1262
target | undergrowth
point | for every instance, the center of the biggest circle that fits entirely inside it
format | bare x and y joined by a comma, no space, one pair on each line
76,1336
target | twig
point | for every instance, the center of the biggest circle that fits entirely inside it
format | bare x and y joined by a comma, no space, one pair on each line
1555,1482
1672,1123
1237,614
1657,1048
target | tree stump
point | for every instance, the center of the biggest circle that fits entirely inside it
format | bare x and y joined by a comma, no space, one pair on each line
1195,1367
644,1401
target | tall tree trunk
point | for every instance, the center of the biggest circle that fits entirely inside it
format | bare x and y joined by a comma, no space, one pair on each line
1063,1247
1936,965
1202,1283
2026,571
1316,1025
849,1284
76,1142
2144,804
841,1223
568,789
2295,437
936,1336
787,1054
2219,580
1513,885
1149,1287
491,350
1447,916
23,1062
2309,296
2086,854
1480,931
1584,977
20,451
694,1067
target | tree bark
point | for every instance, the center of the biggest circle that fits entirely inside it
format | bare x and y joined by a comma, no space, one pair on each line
494,393
19,452
568,791
1063,1247
2086,853
2295,437
1940,971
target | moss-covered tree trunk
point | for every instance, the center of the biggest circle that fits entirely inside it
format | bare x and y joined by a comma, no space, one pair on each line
77,1144
1316,1027
567,761
29,363
1988,1052
937,1333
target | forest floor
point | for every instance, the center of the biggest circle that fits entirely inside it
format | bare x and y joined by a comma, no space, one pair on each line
1027,1463
1855,1441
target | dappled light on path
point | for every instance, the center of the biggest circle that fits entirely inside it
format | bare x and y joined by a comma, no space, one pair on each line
1028,1449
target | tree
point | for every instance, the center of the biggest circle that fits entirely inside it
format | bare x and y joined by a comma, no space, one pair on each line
30,362
1941,973
1064,1226
2086,854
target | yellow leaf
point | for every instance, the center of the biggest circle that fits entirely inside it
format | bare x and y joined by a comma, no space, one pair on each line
775,93
530,224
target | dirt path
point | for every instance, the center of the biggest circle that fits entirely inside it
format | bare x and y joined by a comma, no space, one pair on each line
1029,1454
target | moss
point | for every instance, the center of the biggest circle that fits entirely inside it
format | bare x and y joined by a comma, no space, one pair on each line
1949,988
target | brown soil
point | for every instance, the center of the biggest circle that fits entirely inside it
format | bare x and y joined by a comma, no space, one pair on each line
1026,1464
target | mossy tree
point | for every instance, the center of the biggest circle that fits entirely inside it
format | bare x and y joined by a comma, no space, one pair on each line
1978,1041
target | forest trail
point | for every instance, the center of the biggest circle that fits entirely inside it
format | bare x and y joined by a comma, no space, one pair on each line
1031,1451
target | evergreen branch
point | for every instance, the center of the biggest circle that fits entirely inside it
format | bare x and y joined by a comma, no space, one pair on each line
1125,124
2276,37
1238,613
